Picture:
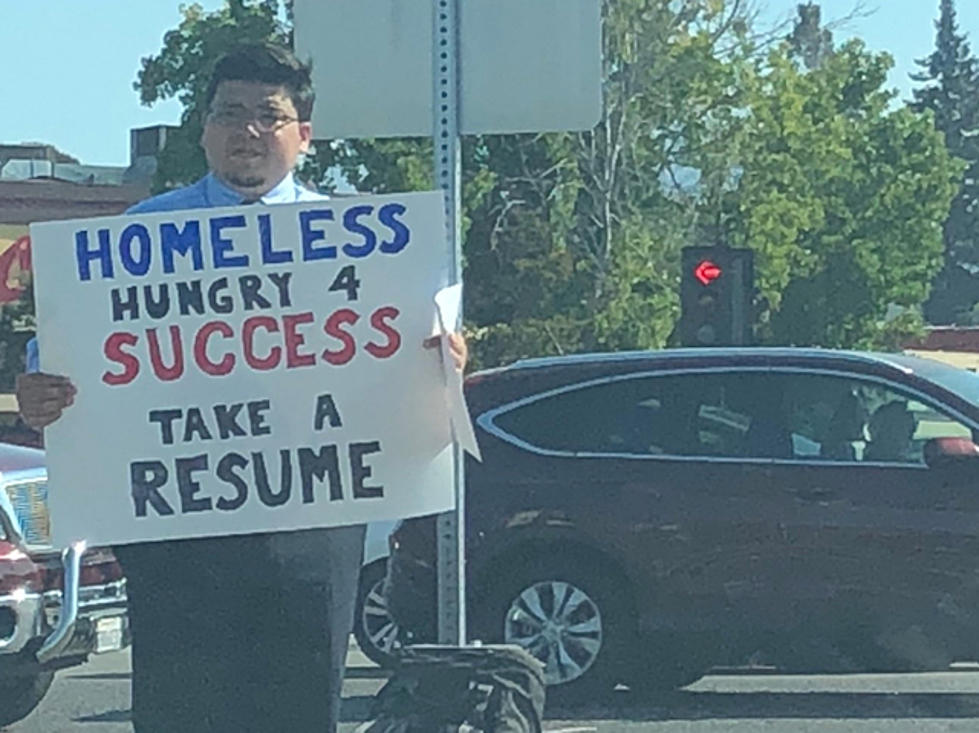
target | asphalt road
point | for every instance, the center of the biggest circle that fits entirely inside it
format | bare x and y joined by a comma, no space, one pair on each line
95,699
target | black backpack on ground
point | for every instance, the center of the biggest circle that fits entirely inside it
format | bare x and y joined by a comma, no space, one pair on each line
444,689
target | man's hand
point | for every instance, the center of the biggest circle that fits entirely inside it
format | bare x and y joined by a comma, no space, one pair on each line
457,348
43,397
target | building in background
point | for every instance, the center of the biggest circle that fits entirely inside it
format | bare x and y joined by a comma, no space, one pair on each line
958,346
38,183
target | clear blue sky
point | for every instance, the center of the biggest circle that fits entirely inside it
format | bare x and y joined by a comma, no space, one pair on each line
68,65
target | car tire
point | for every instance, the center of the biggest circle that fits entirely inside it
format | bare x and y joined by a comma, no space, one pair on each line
571,615
20,695
377,634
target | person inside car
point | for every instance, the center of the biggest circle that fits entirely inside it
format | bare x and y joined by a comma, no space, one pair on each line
891,428
845,427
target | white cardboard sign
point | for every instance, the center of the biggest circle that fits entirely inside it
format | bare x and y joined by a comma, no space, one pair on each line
245,369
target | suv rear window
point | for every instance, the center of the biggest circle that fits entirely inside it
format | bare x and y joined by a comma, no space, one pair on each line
697,414
633,416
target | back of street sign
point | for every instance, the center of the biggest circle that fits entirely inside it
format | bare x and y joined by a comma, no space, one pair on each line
524,65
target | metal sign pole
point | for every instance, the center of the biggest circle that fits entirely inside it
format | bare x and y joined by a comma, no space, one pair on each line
448,176
410,85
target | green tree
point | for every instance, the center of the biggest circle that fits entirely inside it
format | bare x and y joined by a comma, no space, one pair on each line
841,198
572,241
810,41
950,89
576,245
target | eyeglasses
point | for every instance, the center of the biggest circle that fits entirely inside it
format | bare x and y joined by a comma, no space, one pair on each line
263,122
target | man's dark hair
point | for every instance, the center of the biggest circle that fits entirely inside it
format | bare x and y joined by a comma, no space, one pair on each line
268,64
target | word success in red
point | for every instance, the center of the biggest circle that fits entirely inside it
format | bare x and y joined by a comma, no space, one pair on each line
262,343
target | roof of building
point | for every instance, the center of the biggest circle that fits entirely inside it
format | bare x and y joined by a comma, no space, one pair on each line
19,169
26,202
949,338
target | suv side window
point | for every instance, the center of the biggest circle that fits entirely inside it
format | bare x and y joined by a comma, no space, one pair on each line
722,415
837,418
738,415
637,416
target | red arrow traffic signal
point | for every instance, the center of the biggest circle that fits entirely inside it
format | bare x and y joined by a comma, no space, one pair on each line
716,291
707,272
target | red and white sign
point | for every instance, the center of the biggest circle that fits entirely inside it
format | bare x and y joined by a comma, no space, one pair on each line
15,261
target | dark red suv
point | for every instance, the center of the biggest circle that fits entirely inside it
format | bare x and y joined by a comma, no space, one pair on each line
643,517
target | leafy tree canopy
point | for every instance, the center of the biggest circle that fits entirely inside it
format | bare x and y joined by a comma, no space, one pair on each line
713,132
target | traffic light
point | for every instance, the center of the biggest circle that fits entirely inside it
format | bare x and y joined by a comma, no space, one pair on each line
716,293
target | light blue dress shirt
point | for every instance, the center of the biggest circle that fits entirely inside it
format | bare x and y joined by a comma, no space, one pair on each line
208,193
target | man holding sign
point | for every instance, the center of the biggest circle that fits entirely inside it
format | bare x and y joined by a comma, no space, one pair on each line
254,379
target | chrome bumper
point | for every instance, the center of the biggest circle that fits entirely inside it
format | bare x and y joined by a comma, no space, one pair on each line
72,616
28,617
55,645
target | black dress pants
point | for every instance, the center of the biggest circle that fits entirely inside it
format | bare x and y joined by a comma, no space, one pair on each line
242,634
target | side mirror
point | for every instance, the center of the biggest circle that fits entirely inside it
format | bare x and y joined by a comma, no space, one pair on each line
948,452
